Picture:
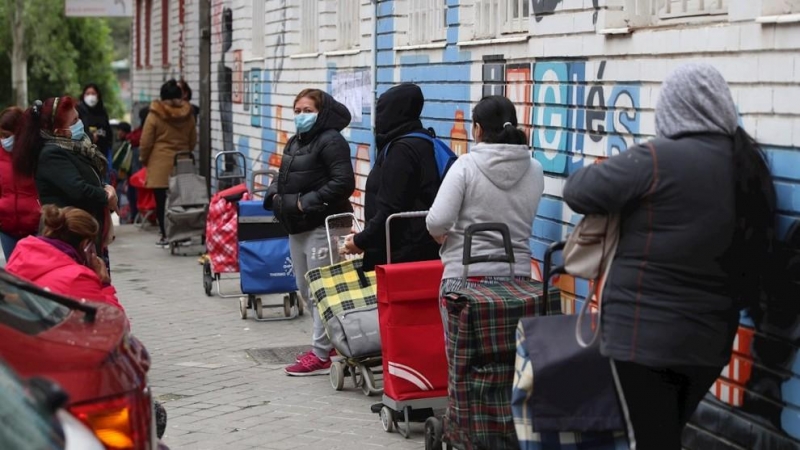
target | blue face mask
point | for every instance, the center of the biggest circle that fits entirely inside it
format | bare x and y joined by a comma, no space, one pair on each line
77,131
304,122
7,143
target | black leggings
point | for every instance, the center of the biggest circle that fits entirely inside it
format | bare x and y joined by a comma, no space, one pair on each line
161,208
661,401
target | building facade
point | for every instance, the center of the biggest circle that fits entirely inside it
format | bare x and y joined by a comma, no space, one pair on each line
585,76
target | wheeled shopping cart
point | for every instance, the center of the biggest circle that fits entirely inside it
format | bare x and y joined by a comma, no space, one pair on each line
412,339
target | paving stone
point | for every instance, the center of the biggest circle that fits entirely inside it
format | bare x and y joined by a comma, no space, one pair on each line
216,396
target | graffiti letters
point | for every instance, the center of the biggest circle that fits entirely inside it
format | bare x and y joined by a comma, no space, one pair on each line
544,7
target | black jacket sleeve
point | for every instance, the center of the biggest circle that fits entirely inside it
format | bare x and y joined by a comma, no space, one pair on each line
271,191
335,155
399,179
54,165
606,188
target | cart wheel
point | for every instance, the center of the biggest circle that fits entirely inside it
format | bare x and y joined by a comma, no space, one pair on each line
387,419
208,279
358,379
337,376
299,302
433,434
173,248
287,306
256,301
367,380
243,307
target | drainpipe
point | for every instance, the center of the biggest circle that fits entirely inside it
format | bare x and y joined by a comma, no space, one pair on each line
374,68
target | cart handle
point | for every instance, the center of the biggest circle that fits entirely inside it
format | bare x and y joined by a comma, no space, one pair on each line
179,155
468,259
269,172
400,215
550,271
328,219
239,158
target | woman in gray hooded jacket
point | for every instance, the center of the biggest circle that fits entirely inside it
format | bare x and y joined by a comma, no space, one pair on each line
697,210
497,181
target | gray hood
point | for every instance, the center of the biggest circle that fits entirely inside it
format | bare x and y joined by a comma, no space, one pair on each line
503,164
695,99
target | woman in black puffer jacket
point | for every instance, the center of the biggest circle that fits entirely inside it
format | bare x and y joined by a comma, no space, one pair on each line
315,181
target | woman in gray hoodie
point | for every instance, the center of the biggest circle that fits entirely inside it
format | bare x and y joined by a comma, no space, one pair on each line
497,181
697,209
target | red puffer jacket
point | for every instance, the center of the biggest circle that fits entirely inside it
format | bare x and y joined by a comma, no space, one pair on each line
47,266
19,202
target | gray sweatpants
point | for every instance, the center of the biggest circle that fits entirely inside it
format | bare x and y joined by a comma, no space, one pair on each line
309,251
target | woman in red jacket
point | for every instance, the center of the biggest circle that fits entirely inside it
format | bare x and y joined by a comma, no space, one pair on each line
19,203
64,259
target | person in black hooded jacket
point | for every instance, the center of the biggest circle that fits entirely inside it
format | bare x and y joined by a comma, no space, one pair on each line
405,178
94,116
315,181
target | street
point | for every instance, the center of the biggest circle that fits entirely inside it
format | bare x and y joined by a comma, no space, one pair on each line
216,394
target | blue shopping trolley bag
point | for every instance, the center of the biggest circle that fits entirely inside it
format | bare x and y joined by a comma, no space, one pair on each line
265,264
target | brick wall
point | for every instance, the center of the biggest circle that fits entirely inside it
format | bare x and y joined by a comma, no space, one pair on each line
585,75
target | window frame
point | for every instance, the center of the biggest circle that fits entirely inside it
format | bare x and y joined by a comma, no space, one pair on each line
348,24
500,22
309,26
165,33
257,36
423,17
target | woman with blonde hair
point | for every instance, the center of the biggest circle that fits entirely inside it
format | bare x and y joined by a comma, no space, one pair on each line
63,259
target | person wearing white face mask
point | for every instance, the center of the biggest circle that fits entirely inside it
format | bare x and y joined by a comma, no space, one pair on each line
19,204
316,180
52,146
92,112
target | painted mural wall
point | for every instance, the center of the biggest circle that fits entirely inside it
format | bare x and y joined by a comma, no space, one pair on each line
585,75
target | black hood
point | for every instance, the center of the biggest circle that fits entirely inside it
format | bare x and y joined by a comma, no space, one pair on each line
397,113
332,116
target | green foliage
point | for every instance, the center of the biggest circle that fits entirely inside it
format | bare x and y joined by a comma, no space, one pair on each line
63,54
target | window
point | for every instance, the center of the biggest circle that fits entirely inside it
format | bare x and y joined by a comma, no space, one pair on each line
257,38
516,16
495,17
486,18
308,26
27,310
348,23
642,13
427,21
165,32
670,9
138,34
148,22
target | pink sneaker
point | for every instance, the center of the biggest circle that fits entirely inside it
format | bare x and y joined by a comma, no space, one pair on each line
310,365
301,356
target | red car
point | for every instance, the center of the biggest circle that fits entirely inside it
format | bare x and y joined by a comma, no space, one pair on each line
86,348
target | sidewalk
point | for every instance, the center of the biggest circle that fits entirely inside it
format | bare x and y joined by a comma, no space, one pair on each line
216,395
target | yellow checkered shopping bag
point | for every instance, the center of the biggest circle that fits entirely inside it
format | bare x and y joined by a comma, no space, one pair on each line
342,287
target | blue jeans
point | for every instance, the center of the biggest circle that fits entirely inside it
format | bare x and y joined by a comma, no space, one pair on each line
8,242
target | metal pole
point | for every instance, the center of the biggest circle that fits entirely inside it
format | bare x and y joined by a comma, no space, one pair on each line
205,91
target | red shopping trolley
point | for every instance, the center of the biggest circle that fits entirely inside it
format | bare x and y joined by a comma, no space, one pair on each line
145,198
412,339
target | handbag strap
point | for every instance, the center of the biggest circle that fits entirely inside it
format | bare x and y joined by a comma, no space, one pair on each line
599,288
601,282
363,281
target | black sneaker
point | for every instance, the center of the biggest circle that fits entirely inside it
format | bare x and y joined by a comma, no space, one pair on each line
163,243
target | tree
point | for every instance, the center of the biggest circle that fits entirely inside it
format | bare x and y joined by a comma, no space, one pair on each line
61,54
19,59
